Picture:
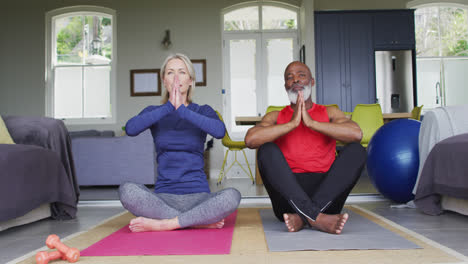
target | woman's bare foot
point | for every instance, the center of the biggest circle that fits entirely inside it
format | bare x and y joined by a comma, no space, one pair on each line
219,224
332,224
143,224
293,222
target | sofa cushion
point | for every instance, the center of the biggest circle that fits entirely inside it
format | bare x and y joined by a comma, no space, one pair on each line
31,176
5,137
91,133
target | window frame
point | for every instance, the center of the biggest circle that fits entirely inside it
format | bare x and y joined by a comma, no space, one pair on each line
262,35
260,17
51,16
440,4
415,4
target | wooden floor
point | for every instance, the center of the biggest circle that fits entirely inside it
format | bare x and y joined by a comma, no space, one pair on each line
249,246
449,229
99,203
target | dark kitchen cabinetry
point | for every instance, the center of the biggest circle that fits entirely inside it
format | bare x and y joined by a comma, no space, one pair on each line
394,30
345,63
345,42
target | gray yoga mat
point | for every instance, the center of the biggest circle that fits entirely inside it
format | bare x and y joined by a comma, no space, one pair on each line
358,233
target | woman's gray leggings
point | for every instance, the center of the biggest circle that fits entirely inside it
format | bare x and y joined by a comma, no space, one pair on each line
191,209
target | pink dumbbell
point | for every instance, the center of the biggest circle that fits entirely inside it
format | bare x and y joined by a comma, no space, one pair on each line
43,257
71,254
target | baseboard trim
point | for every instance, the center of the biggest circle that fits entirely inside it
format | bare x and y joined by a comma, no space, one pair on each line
245,201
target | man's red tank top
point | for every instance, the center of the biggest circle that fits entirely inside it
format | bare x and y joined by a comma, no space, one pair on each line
307,150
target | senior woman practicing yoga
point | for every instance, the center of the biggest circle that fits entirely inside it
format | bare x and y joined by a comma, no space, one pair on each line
181,196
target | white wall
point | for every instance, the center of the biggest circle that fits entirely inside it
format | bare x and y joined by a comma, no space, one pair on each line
307,36
22,90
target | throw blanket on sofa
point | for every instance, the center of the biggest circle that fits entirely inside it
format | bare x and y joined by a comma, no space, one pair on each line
51,134
32,176
437,125
444,173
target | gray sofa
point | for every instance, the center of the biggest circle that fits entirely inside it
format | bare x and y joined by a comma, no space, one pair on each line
102,159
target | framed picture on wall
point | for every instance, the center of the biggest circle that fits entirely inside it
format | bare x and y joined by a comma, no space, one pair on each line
146,82
200,72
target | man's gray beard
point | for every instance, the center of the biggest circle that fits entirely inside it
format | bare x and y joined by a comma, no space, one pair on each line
293,94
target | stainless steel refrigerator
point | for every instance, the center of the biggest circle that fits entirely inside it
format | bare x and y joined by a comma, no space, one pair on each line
394,80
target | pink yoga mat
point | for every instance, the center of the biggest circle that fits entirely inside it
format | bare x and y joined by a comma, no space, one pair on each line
179,242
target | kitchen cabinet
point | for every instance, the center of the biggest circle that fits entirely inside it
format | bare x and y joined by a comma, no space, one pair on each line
345,45
344,59
394,29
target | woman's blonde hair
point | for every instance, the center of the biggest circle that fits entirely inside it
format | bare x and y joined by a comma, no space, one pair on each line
190,69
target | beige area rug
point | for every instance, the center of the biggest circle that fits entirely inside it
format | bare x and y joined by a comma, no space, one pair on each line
249,246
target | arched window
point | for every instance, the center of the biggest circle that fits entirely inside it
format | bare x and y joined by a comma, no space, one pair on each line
441,54
259,40
80,65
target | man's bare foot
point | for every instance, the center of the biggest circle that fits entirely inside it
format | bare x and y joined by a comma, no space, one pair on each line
143,224
332,224
293,222
219,224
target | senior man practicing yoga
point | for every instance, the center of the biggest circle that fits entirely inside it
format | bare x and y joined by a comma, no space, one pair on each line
307,183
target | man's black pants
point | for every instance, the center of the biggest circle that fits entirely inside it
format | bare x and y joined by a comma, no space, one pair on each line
309,194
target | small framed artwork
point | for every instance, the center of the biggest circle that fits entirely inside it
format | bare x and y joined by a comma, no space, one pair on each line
302,54
200,72
145,82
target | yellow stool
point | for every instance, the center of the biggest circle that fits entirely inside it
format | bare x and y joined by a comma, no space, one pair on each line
233,146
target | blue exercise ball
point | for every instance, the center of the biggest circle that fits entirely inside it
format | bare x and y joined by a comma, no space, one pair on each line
393,159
